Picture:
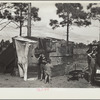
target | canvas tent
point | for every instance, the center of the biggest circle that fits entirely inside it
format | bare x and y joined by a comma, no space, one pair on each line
20,44
7,60
25,50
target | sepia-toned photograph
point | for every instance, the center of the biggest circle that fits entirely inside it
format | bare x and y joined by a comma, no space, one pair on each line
49,44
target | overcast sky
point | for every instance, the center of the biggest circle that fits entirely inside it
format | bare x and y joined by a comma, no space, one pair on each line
47,11
79,34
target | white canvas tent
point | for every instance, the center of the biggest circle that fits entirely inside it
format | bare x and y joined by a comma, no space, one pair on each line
25,50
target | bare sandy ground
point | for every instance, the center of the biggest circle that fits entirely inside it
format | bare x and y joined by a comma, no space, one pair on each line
8,81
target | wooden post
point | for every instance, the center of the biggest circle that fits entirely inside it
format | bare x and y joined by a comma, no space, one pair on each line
29,20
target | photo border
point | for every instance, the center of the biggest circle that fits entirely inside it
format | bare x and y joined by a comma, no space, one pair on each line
49,93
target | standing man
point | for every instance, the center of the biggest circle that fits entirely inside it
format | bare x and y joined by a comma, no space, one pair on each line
89,52
41,64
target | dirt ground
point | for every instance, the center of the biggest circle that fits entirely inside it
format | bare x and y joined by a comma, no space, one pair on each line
8,81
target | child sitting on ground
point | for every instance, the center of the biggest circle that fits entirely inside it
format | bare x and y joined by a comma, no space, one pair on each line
47,71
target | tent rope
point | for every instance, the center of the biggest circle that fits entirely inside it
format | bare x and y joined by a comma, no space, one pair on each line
5,26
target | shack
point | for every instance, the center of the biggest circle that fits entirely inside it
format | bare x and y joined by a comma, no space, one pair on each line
52,48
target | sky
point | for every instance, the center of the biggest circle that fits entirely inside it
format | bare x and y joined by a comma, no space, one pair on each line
50,13
47,11
79,34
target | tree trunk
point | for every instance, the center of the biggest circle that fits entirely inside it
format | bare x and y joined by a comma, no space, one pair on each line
67,34
20,22
67,38
20,28
99,30
29,20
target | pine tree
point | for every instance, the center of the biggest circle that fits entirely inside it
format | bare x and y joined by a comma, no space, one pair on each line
72,14
18,14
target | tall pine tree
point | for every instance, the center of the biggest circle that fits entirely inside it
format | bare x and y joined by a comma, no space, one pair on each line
19,13
72,14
